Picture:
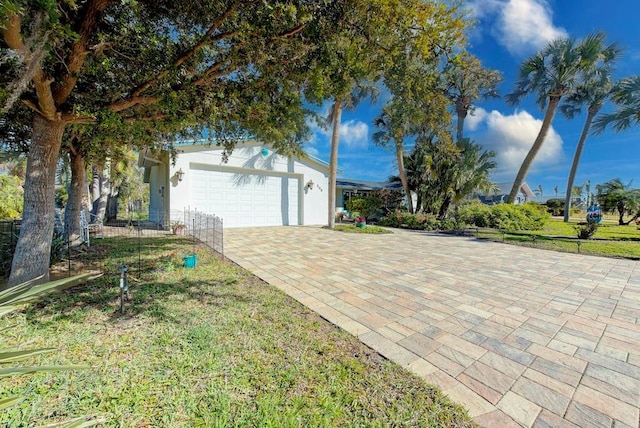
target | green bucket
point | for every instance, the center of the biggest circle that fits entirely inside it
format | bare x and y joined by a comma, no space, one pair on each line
190,261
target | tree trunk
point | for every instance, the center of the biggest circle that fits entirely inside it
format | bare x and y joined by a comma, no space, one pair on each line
96,171
403,175
537,144
621,210
576,160
111,210
333,162
33,249
77,189
104,196
444,207
462,109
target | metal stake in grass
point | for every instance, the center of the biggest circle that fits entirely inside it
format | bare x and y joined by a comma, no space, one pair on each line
124,287
579,244
503,232
534,238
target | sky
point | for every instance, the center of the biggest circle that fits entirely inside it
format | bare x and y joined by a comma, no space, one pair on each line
506,33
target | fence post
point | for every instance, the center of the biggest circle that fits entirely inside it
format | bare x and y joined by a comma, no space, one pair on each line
139,249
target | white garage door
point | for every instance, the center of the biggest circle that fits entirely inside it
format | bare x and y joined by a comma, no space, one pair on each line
246,199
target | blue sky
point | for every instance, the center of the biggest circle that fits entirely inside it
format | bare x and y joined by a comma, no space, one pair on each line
507,32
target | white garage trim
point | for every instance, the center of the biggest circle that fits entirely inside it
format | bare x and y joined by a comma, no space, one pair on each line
269,199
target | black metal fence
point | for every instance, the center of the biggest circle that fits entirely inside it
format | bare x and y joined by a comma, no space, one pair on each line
135,239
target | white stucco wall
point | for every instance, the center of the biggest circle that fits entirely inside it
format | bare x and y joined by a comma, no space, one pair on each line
247,158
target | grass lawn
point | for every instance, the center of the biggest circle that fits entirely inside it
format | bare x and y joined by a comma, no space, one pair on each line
352,228
609,240
211,346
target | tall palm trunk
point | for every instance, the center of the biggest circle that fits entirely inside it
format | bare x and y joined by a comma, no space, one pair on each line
592,112
333,162
77,191
537,145
100,193
462,109
95,187
403,173
31,258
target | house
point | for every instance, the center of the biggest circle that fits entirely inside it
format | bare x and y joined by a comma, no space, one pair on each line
347,188
254,187
501,193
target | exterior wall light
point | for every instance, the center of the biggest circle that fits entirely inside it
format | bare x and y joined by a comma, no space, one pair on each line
180,174
309,185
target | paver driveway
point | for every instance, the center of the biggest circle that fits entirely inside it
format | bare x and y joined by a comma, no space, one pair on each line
518,335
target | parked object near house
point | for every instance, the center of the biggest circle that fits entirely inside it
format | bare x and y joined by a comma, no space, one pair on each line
254,187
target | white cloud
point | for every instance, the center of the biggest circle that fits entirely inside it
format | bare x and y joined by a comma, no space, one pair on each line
311,150
521,26
475,118
511,137
354,133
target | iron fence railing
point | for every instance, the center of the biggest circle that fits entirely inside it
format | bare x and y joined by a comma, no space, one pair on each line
134,235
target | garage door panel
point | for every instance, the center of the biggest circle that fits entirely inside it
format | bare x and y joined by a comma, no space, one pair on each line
247,200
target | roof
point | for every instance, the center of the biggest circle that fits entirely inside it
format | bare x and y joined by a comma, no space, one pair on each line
347,183
146,159
505,189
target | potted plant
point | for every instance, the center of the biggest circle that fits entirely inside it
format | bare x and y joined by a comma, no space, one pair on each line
360,221
178,228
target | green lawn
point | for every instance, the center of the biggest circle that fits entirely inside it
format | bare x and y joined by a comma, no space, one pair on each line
211,346
369,229
610,239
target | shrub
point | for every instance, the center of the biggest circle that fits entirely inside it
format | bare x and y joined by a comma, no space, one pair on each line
530,216
402,219
586,230
555,206
476,214
367,206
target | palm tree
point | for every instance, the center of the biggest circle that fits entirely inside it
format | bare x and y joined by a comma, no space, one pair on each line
614,195
360,92
474,171
393,129
470,174
551,74
626,95
467,81
596,87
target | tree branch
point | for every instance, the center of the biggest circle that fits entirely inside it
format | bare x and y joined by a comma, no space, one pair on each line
127,103
204,41
293,31
46,106
79,49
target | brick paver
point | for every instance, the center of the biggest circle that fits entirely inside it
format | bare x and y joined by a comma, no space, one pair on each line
519,336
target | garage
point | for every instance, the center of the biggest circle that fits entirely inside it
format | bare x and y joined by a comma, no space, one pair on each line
251,186
245,199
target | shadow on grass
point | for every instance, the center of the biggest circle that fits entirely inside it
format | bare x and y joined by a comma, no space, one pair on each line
162,282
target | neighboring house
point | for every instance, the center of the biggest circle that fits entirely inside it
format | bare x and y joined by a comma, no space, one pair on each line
347,188
254,187
501,194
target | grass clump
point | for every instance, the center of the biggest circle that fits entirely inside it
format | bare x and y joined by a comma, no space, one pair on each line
211,346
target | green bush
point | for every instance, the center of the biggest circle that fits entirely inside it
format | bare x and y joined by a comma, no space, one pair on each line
586,230
11,194
366,206
476,214
555,206
402,219
529,216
